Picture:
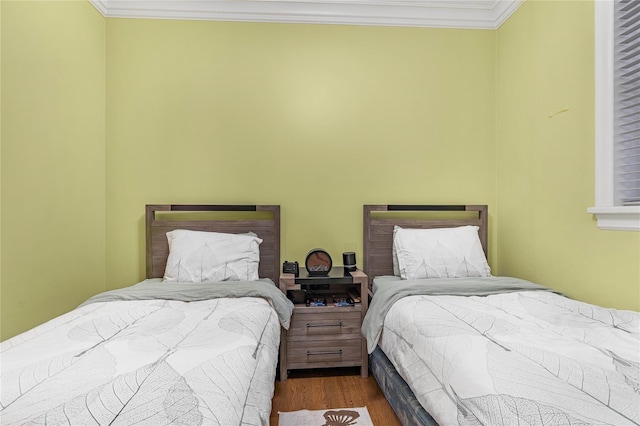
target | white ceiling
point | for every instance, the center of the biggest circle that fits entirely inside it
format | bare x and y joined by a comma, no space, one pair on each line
481,14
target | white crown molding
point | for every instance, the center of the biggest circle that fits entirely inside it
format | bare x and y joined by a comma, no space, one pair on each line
477,14
101,5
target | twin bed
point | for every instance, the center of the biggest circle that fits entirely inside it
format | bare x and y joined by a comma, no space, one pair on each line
197,341
197,347
450,344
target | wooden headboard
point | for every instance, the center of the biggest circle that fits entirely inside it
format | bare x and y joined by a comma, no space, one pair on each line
233,219
379,221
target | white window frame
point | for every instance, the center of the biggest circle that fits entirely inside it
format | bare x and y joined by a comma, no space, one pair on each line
611,217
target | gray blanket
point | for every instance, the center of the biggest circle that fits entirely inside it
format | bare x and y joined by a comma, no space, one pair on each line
389,291
191,292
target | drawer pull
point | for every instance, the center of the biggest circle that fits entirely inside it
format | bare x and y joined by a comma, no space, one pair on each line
338,352
325,325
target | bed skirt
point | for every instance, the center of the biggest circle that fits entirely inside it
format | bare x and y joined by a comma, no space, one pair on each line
400,397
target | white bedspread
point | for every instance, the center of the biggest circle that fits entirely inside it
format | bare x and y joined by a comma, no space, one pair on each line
531,357
154,362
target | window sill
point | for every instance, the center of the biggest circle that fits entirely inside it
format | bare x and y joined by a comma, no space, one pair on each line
625,218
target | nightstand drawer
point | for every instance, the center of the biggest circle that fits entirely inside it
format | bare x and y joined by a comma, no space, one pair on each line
315,325
313,353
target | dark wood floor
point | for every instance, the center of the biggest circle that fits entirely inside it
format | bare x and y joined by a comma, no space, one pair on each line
332,388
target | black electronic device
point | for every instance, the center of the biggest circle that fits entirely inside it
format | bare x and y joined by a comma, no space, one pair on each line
291,268
349,261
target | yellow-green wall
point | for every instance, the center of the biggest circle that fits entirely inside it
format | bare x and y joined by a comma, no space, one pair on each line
546,159
319,119
1,338
102,116
53,160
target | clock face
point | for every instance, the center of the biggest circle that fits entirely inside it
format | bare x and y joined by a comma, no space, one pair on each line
318,262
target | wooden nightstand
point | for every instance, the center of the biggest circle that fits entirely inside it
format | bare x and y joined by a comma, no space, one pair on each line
325,336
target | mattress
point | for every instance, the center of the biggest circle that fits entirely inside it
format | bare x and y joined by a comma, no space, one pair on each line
152,354
516,357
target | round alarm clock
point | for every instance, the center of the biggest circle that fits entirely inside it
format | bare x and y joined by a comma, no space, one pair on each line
318,262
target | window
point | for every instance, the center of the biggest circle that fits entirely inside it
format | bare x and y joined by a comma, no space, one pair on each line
617,54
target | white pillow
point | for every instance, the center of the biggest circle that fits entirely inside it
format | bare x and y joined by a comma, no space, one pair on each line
440,253
394,253
196,256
